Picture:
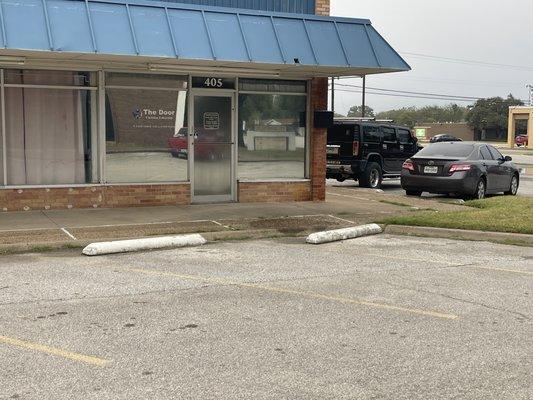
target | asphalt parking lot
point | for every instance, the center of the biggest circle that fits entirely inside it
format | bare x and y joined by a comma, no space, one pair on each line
382,317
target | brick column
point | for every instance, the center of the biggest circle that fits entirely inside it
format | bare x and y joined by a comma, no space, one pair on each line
322,7
319,101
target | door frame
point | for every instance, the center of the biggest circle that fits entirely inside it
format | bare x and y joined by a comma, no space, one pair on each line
227,93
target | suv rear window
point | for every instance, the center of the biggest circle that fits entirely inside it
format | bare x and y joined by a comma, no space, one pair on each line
447,149
343,133
340,133
371,134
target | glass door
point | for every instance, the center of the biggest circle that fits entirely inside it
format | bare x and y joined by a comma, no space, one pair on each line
213,148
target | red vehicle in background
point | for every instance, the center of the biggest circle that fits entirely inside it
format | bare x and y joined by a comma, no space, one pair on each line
178,143
521,140
207,144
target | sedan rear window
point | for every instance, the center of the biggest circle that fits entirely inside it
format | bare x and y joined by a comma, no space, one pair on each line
453,149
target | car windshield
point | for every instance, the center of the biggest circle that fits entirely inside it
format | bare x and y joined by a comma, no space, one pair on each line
446,150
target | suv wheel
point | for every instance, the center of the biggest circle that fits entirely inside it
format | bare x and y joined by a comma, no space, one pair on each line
371,176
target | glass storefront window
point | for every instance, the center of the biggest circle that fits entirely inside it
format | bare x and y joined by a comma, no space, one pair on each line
272,136
46,77
48,131
146,129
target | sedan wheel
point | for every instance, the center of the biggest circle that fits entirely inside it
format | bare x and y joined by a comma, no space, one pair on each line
480,190
513,189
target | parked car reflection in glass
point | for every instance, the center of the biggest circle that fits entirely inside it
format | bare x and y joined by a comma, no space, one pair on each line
470,170
445,137
521,140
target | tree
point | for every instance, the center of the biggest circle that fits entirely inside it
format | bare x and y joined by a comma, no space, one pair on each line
492,114
356,111
412,116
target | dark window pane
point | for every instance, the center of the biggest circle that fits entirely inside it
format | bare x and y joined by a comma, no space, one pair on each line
271,85
485,153
340,133
146,80
389,134
404,136
495,153
371,134
446,149
52,78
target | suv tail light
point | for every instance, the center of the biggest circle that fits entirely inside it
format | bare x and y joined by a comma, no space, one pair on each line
459,167
355,148
408,165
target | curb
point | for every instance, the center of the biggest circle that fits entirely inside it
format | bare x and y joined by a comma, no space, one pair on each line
128,246
343,234
210,237
461,234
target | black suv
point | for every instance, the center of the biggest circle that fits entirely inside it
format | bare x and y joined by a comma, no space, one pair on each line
368,151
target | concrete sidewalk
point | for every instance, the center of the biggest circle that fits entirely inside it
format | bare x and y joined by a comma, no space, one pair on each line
75,228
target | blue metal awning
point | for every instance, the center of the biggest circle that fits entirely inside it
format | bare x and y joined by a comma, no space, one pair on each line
184,34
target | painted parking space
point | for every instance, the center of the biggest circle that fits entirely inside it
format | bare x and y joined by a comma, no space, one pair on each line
252,314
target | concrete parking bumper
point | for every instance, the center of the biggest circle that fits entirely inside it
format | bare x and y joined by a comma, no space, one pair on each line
128,246
343,234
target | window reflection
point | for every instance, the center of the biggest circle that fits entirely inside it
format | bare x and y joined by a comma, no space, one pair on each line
272,136
146,132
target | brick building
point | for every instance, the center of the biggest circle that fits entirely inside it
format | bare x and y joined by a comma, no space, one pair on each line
112,103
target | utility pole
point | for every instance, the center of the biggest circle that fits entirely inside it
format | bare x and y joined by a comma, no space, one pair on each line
333,94
530,87
364,97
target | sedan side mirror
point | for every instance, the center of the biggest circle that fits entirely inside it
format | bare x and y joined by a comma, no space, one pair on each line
508,158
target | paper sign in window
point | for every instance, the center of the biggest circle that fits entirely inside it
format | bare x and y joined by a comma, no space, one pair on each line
211,120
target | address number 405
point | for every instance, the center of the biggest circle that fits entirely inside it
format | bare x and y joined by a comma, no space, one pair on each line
213,82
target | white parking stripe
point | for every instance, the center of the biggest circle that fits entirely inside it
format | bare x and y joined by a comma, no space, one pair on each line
69,234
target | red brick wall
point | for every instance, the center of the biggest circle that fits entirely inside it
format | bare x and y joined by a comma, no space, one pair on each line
319,101
94,197
257,192
322,7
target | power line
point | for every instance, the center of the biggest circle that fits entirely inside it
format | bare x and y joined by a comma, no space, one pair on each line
405,95
451,81
408,92
466,61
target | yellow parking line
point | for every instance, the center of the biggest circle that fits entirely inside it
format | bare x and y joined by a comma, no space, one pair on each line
512,271
99,362
340,299
451,264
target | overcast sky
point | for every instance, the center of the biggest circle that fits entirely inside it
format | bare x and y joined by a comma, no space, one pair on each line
492,31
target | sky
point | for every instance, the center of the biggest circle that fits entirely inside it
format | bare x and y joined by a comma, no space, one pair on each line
490,31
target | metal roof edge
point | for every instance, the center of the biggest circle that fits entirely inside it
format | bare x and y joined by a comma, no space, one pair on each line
392,48
227,10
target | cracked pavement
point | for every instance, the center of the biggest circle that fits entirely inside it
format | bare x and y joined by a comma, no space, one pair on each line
381,317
